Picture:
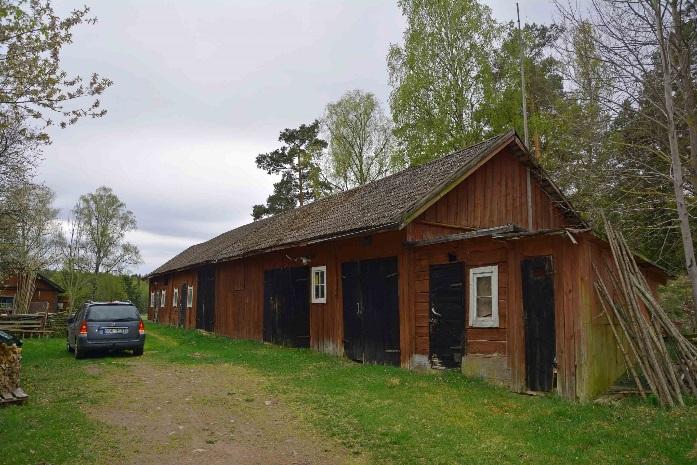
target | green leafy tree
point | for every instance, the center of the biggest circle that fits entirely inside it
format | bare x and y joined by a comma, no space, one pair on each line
73,273
581,152
33,83
361,144
35,92
545,97
136,290
439,74
296,162
104,221
32,242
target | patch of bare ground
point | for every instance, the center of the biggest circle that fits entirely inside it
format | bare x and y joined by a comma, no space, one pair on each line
208,414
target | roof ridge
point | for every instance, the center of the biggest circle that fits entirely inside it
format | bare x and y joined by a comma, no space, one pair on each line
389,176
377,204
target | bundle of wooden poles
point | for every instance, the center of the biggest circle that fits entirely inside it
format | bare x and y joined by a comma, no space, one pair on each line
657,355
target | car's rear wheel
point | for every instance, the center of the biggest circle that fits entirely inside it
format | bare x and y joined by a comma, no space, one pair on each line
70,348
79,353
138,351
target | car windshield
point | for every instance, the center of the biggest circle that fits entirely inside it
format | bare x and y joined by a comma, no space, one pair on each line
112,313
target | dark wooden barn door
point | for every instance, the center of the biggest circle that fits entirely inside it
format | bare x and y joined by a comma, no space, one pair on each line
182,304
353,310
371,310
205,303
447,314
538,313
287,306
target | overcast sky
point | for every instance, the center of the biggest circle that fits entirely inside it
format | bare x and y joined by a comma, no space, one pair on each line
200,88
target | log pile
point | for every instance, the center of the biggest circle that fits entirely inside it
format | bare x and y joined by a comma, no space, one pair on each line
10,357
659,358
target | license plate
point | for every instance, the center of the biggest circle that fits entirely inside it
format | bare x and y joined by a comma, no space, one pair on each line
115,330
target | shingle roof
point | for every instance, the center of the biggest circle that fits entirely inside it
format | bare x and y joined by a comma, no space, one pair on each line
380,205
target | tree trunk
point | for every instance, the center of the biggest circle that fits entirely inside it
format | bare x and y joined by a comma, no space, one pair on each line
95,275
687,86
683,218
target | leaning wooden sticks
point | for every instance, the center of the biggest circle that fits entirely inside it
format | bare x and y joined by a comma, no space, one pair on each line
653,347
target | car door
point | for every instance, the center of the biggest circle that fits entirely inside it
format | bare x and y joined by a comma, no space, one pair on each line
71,326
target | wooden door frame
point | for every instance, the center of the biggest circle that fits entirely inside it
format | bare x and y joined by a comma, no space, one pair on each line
554,313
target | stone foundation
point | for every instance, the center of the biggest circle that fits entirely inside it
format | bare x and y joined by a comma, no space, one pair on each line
492,368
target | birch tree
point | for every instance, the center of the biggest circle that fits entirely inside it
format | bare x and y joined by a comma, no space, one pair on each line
361,144
638,41
34,238
74,272
104,222
437,75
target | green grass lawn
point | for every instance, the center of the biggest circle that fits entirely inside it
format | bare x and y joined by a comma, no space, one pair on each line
393,415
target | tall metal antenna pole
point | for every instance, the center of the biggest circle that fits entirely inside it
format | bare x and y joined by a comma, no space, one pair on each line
525,120
522,79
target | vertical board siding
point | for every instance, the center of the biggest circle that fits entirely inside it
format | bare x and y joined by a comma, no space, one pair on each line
43,293
494,195
239,293
169,314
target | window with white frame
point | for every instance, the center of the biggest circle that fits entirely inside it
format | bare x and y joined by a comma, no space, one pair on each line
175,297
484,297
319,284
152,299
163,298
190,297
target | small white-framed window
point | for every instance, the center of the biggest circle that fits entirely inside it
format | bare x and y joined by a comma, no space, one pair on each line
152,299
484,297
163,299
175,297
319,284
190,297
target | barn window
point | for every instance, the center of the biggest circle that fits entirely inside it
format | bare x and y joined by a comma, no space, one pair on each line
319,284
6,303
163,299
152,299
190,297
484,302
175,297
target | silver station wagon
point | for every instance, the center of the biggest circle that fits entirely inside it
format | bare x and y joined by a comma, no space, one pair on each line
106,326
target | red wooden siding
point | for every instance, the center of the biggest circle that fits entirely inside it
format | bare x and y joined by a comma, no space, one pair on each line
494,195
43,294
168,314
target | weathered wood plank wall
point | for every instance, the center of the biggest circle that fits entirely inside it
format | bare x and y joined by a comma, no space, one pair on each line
494,195
44,292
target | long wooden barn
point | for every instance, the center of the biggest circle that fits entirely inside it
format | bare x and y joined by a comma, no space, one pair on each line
473,261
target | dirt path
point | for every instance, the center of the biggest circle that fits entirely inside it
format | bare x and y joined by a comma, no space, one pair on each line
210,415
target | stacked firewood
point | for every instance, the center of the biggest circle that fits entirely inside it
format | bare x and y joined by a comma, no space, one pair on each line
643,330
10,357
